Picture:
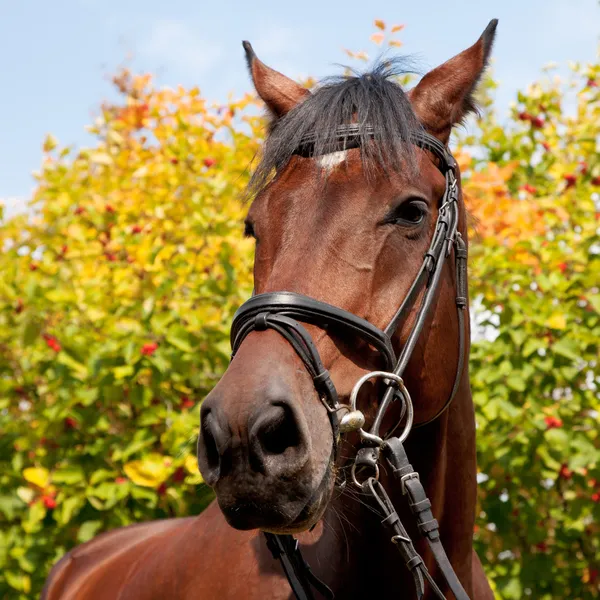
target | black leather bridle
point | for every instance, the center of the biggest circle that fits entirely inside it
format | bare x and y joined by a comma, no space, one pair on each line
285,312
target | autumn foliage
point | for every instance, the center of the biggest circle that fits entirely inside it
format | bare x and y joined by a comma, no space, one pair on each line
119,287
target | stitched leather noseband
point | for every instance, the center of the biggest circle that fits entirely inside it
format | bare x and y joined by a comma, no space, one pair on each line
285,312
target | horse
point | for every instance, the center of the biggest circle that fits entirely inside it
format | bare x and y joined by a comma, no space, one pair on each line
361,244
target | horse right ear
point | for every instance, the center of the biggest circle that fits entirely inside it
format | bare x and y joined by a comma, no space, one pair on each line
445,95
278,92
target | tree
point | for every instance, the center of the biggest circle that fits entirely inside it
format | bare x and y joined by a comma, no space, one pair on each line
534,196
115,306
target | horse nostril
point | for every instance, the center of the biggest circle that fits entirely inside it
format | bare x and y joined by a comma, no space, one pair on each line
279,432
278,443
212,444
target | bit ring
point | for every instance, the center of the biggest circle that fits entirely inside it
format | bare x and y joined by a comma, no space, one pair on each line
401,388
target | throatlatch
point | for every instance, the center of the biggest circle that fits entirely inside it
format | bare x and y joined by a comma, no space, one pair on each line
284,312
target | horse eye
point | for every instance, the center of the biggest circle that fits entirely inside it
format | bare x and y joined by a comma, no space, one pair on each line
411,212
249,230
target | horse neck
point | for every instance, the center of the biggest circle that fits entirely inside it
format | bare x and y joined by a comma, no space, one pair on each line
444,455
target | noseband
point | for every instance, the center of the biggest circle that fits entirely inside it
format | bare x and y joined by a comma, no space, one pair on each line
284,312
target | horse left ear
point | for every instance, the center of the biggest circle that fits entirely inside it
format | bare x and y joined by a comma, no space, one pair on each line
279,93
445,95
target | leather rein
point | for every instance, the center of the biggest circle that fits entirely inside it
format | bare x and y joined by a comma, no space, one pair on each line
285,312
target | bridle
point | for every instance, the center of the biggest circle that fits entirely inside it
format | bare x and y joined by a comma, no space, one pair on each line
285,311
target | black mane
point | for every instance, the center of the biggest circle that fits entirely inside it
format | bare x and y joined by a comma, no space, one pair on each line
372,98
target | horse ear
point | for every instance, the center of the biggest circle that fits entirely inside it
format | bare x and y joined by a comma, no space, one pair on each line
444,97
278,92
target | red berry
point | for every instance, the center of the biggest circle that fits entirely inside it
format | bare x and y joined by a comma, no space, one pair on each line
174,161
186,402
79,210
570,179
546,146
596,180
553,422
530,189
149,348
33,267
20,306
121,480
70,423
542,546
49,502
592,83
209,162
596,497
179,475
565,472
537,122
563,267
162,489
524,116
136,229
52,342
110,208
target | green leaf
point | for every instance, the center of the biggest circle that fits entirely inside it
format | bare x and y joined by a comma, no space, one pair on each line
558,440
31,331
68,508
566,347
179,338
70,475
88,530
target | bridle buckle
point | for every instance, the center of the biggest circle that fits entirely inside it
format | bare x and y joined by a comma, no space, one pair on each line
405,478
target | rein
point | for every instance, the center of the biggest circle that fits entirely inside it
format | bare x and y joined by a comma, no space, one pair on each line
285,312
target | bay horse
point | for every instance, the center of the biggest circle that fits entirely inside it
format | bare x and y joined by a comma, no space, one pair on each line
360,315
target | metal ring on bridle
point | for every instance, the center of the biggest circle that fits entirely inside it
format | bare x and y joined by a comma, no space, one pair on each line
355,480
401,388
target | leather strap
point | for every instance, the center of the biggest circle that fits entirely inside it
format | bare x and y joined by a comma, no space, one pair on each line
311,311
421,507
286,549
400,537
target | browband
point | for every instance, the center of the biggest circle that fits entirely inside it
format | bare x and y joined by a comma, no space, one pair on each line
349,136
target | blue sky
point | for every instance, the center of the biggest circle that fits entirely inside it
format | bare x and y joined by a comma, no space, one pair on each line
56,57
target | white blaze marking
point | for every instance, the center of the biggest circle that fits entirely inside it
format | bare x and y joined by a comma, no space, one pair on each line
328,161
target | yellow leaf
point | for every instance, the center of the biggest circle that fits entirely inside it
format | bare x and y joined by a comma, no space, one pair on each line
141,172
377,38
100,158
396,28
191,464
115,137
557,321
37,475
379,24
149,471
50,143
395,43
